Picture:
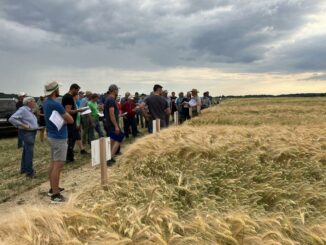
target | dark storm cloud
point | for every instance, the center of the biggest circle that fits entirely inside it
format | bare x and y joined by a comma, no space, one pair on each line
304,55
246,34
170,33
308,54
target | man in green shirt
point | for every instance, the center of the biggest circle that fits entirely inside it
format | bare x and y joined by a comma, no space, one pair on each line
95,119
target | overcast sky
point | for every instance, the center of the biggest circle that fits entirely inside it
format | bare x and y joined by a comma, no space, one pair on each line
227,47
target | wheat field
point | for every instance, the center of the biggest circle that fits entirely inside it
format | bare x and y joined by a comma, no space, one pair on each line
248,171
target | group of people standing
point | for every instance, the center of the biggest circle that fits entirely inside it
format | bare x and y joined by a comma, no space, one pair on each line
83,114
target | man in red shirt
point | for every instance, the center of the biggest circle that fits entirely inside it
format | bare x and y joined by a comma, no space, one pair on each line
130,108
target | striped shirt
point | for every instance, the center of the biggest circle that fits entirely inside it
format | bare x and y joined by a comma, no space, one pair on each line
24,115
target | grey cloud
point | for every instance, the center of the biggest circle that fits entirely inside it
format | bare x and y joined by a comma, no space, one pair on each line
235,34
246,34
308,54
305,55
317,77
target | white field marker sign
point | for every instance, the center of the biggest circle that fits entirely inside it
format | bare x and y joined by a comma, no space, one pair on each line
154,126
95,144
176,117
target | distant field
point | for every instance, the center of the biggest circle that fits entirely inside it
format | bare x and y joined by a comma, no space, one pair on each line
248,171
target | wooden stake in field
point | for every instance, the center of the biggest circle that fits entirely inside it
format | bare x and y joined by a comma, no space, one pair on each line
101,152
104,167
158,125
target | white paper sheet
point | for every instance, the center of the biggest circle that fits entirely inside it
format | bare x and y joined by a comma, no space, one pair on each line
95,149
57,119
86,112
192,103
84,108
100,114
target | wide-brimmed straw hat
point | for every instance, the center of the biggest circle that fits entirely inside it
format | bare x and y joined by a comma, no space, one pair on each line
194,90
50,87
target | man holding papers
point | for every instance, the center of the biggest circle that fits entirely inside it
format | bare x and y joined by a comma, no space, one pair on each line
56,119
95,118
69,104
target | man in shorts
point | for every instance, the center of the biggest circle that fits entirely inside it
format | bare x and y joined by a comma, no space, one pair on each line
112,121
57,138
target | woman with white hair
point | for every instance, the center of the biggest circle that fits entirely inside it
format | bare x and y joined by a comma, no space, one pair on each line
26,121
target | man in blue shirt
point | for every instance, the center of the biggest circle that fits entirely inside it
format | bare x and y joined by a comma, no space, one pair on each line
112,121
57,137
26,121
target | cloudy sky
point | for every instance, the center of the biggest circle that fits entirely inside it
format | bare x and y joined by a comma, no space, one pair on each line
227,47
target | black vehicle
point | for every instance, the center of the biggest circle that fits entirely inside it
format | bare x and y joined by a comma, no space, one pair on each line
7,108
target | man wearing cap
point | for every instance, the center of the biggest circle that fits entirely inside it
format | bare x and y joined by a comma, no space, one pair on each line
158,107
57,138
112,121
25,119
68,103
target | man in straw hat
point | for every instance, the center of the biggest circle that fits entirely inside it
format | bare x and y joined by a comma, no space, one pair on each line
195,102
57,137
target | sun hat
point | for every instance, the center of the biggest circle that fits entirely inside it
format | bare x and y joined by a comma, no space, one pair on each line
21,94
50,87
194,90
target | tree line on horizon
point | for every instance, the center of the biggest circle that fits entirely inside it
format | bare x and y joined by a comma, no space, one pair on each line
4,95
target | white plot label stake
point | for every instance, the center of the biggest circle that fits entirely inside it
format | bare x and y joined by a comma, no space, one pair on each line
176,117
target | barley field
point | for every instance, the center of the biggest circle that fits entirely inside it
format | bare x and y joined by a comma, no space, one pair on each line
248,171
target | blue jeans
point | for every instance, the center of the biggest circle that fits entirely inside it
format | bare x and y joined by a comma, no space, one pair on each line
131,122
20,139
28,152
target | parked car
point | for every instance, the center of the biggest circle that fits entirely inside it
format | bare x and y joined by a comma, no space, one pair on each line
7,108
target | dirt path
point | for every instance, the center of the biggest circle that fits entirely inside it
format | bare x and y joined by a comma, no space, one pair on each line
75,181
